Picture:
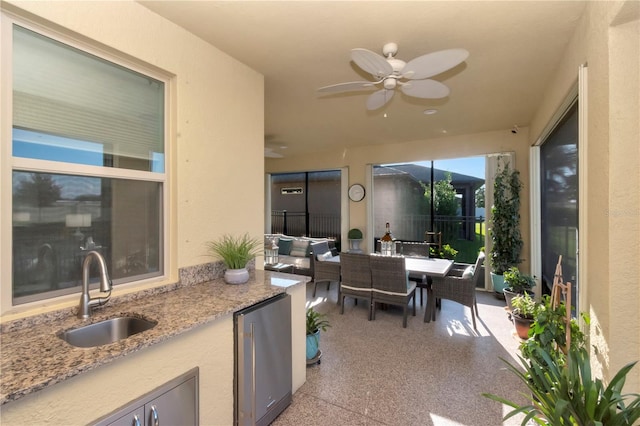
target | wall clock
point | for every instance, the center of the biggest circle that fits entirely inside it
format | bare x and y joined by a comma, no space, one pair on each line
356,192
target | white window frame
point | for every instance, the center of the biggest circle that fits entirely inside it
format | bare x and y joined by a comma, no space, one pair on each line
8,163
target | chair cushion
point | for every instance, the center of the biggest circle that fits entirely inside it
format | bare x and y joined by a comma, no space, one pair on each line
284,246
299,248
468,272
324,256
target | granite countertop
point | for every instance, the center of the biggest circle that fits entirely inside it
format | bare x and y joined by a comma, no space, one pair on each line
34,357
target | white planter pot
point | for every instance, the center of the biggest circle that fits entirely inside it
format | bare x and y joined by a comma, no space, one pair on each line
354,246
236,276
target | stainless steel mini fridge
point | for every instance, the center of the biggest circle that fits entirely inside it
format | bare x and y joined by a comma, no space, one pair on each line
263,361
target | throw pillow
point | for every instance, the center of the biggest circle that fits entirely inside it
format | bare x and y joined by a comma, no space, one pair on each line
284,246
299,248
468,273
319,248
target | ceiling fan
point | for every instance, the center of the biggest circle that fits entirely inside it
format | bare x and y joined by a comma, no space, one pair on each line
411,77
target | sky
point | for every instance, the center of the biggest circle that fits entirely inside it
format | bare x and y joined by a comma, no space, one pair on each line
470,166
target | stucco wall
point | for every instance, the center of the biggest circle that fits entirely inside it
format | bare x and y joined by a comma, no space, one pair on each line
217,112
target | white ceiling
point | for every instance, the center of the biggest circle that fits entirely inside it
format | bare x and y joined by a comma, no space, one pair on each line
299,46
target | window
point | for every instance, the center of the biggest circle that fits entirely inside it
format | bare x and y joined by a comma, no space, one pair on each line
306,203
87,165
438,196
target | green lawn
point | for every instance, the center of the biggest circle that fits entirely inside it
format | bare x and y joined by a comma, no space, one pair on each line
468,250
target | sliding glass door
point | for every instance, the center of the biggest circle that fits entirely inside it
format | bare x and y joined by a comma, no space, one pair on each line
306,203
559,202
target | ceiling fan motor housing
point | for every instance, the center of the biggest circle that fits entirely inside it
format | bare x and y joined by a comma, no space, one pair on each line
390,83
396,64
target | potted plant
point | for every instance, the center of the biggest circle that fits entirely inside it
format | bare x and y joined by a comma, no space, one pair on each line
549,332
569,395
355,238
316,322
446,252
516,283
505,225
235,252
523,313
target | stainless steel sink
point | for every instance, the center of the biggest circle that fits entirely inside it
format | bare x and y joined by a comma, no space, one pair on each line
104,332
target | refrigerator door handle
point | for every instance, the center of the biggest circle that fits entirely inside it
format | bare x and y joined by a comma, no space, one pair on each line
253,373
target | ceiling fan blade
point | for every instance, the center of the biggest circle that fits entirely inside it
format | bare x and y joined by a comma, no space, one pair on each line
427,89
431,64
371,62
379,98
268,153
348,87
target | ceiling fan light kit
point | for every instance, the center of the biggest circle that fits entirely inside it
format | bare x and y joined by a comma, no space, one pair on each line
411,77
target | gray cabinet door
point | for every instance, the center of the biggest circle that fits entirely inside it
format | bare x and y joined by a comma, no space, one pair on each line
132,418
173,404
176,407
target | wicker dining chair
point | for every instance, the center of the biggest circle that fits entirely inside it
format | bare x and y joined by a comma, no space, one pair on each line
410,249
459,287
355,269
390,284
323,271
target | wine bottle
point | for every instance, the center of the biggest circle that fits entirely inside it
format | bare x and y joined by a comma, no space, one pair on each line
387,242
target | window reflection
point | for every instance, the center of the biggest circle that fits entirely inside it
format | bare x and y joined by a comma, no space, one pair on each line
58,219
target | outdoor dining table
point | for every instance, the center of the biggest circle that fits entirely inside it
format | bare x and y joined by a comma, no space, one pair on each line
429,266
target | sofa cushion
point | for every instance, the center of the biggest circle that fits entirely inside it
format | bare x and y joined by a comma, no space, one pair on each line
284,246
299,248
299,263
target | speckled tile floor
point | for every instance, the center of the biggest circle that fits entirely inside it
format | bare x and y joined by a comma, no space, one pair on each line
378,373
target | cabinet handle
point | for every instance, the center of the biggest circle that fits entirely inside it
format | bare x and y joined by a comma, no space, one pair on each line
136,420
154,416
253,373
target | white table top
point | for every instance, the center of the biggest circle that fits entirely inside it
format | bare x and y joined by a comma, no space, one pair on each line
429,266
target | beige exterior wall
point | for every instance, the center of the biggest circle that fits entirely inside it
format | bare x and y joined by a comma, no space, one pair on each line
218,111
608,39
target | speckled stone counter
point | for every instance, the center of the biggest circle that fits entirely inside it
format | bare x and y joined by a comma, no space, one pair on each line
34,357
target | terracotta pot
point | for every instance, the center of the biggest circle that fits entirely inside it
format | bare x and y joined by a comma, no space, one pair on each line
522,326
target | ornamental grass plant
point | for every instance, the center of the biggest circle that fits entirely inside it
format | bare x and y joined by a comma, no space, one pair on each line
235,251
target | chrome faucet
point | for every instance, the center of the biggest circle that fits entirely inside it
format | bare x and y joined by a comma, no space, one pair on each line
86,302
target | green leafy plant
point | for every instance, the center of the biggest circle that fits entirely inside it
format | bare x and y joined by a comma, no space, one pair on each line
354,234
524,306
548,332
505,220
446,252
569,395
316,321
518,282
234,251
